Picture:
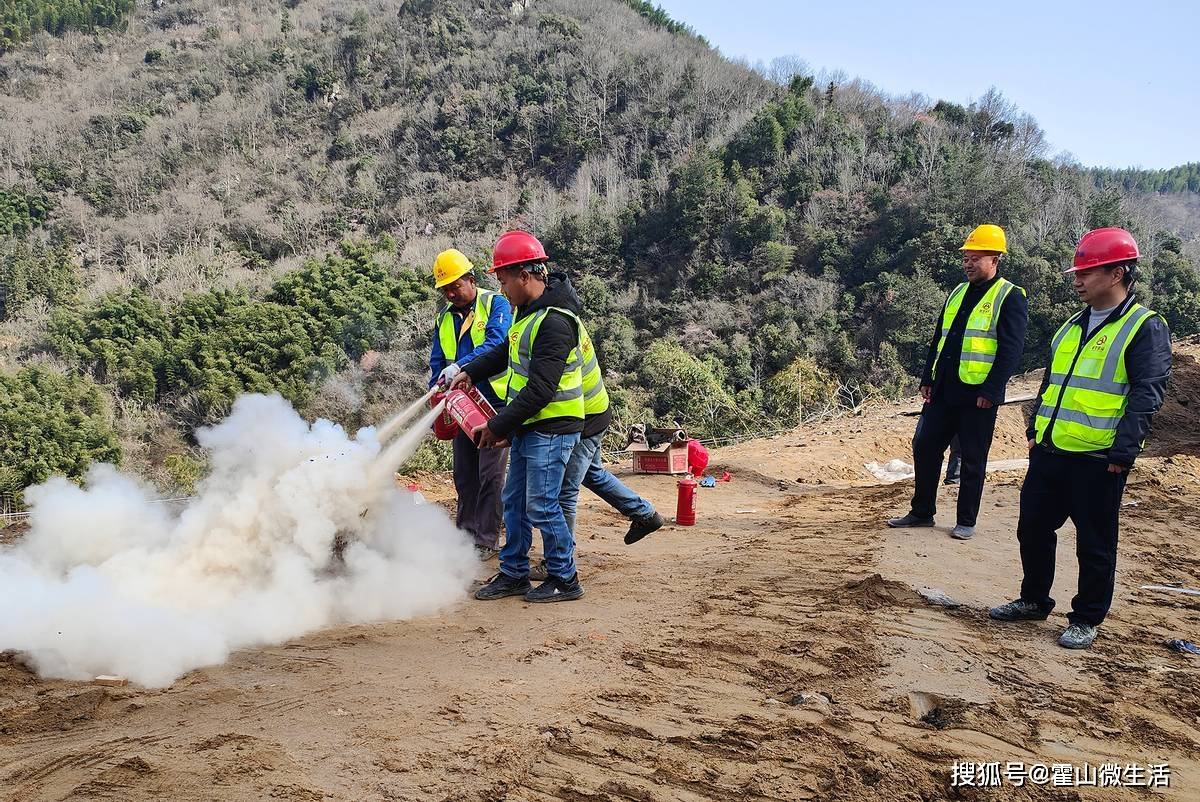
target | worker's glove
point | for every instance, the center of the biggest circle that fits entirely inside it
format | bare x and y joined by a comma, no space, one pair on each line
447,375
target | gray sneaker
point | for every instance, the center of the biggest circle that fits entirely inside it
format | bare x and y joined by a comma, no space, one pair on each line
485,553
1078,636
906,521
1019,610
962,532
537,571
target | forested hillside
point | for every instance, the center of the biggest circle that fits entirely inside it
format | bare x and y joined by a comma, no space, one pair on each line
1184,178
750,249
21,18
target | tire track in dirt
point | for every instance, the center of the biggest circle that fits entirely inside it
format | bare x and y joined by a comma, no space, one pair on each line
773,655
1123,701
749,693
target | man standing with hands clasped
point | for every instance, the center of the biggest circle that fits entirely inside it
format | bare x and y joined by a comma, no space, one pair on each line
1108,372
976,346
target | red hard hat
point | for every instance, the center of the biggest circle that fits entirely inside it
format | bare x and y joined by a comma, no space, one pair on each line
517,248
1104,246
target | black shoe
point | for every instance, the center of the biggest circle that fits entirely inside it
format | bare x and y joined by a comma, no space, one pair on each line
537,572
950,480
909,520
555,589
640,527
502,585
1020,610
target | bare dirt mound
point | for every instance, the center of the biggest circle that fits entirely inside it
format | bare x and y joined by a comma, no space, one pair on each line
1177,425
836,452
873,592
29,706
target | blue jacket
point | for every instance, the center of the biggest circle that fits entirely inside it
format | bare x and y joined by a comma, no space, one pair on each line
495,334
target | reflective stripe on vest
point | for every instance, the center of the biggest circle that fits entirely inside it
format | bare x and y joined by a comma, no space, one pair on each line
980,341
568,399
1088,383
595,394
448,337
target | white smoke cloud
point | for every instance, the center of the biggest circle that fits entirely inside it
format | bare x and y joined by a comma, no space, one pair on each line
107,582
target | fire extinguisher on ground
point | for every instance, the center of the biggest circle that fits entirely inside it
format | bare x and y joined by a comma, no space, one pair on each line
685,503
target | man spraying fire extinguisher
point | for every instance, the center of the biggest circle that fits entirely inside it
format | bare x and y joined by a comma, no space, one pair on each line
473,321
543,417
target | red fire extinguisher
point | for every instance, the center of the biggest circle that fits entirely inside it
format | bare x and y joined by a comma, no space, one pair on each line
469,409
465,412
685,504
444,427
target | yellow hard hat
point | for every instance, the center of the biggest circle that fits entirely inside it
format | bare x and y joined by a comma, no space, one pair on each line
449,266
986,237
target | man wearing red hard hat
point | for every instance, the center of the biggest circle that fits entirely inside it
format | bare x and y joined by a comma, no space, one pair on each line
1108,372
543,417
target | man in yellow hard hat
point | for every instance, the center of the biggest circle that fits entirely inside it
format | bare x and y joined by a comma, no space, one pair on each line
976,346
473,321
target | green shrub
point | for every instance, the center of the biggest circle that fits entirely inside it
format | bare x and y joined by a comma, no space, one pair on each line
34,271
202,352
21,210
51,423
121,340
682,387
430,457
185,471
348,300
21,18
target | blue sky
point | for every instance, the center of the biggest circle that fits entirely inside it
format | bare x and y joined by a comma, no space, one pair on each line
1114,84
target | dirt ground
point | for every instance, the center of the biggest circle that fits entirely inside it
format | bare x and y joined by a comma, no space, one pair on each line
779,650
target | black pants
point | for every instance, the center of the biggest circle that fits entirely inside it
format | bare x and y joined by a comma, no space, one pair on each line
954,461
479,480
938,425
1058,487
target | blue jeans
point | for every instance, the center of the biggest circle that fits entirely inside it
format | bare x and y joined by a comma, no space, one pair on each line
585,469
536,467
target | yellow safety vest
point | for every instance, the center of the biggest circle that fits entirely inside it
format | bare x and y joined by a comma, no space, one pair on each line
595,394
479,318
1088,389
979,338
568,399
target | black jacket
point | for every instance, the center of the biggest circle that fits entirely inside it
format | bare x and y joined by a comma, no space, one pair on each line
1010,345
555,339
1148,364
